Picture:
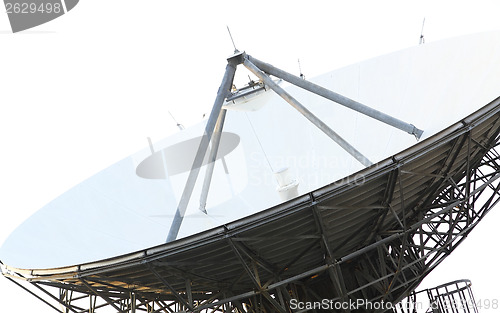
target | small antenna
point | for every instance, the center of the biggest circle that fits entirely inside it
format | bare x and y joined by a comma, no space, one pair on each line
181,127
235,49
300,70
422,40
251,82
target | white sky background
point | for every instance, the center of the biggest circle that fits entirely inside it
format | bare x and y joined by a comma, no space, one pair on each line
85,90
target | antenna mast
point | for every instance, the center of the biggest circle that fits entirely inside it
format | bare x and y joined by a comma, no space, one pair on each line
181,127
422,40
235,49
300,70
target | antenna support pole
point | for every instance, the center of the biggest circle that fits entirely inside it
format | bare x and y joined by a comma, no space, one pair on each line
211,160
224,89
335,97
308,114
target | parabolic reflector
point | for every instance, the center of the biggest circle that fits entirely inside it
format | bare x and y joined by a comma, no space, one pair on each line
130,205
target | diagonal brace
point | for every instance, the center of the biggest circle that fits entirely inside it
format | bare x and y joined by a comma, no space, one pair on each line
211,160
307,114
338,98
224,89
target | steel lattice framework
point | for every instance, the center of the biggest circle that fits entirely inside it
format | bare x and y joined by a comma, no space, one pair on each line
453,297
374,235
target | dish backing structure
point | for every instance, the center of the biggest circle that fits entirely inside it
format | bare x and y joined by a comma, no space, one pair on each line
340,202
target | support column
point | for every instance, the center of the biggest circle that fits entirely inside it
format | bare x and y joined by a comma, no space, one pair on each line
224,90
211,160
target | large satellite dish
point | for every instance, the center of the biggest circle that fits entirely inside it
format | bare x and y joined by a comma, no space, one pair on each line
283,193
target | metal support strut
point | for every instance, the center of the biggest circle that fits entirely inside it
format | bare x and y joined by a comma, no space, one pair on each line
224,90
333,96
211,160
308,114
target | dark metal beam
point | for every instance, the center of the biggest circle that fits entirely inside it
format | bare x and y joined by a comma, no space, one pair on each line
108,300
169,287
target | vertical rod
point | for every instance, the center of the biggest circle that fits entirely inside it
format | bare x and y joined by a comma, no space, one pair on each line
211,160
189,292
224,89
333,96
308,114
132,303
468,176
463,299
